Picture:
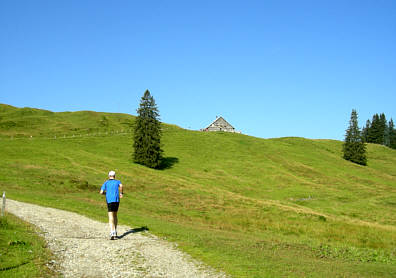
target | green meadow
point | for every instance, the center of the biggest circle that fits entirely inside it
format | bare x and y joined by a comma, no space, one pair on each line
251,207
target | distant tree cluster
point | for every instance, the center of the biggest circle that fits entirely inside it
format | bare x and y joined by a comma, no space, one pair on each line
379,131
354,147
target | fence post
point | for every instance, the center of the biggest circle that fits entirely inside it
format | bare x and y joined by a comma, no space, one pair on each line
4,204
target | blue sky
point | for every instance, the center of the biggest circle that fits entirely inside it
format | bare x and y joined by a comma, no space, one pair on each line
270,68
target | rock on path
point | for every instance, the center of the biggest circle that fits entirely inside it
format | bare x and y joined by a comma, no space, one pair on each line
82,247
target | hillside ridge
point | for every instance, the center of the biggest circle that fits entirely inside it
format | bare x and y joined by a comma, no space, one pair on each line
285,206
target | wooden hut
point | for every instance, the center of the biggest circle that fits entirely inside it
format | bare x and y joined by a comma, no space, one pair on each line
220,125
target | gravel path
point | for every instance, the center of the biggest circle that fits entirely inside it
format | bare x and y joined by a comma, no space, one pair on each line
82,247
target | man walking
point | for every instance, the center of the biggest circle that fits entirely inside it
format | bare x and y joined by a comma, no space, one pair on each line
113,190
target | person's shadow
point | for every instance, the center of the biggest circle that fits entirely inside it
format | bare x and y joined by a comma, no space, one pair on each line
133,231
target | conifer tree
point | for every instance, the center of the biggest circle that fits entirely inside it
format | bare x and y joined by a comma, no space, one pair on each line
365,131
147,137
378,129
383,127
392,134
354,148
387,134
374,131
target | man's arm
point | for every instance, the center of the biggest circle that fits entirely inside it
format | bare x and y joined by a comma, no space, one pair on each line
121,191
102,189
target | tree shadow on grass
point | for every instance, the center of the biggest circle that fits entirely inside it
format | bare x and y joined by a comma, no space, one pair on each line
167,163
133,231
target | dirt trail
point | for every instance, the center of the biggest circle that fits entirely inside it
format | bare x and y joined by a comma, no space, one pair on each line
82,247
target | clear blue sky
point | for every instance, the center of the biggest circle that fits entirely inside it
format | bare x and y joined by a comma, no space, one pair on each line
270,68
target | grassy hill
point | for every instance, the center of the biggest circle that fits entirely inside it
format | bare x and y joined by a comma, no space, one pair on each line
286,207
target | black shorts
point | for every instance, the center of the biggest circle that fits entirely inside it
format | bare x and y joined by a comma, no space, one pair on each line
113,206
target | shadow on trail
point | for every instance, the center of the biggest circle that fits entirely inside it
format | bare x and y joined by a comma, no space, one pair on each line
133,231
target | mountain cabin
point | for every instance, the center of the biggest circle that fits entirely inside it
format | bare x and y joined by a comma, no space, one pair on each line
220,125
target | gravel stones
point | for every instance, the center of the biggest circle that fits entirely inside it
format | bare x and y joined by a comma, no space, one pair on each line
82,248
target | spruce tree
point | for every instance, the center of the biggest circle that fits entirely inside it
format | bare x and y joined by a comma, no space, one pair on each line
354,148
392,134
382,129
147,137
387,135
373,133
365,131
377,130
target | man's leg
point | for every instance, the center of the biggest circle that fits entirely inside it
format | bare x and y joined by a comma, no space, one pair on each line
111,221
115,220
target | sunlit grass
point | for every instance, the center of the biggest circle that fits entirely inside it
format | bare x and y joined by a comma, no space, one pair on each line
22,251
287,207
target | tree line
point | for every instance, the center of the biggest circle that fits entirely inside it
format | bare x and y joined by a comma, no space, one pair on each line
378,131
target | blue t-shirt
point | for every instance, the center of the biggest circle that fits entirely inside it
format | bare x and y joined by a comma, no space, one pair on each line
112,192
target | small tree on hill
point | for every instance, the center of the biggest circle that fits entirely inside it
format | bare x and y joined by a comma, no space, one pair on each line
354,148
147,137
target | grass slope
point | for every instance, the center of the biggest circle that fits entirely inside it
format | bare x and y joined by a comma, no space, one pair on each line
22,251
287,207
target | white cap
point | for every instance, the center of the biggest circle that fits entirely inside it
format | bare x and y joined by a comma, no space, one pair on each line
111,174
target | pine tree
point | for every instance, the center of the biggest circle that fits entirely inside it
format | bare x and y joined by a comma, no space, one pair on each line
387,134
354,148
377,130
392,134
374,131
365,131
147,137
383,128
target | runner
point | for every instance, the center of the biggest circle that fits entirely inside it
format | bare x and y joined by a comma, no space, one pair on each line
113,190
